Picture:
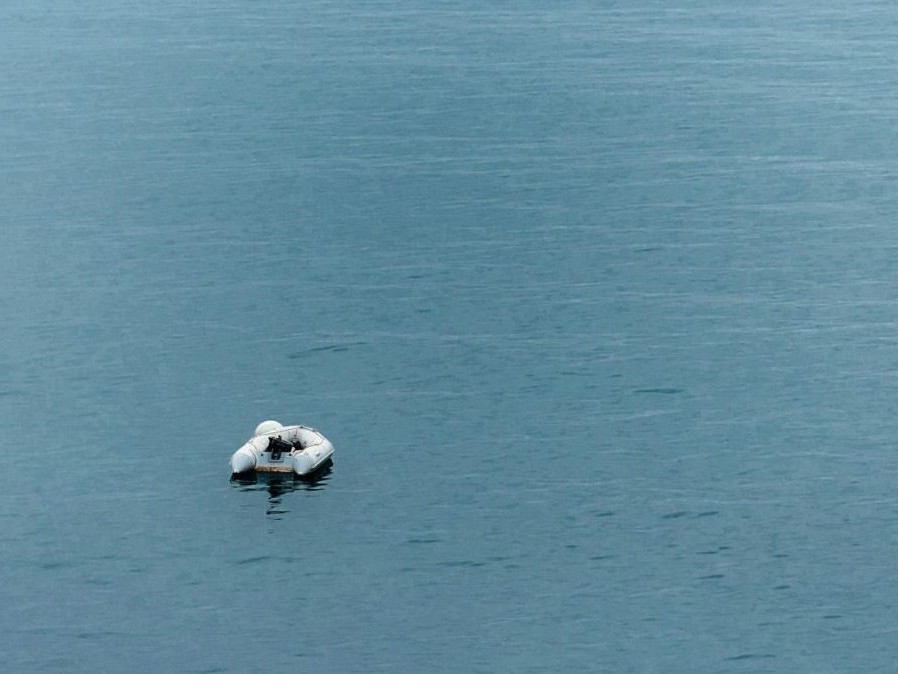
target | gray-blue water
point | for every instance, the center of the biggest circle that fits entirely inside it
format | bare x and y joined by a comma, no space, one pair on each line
598,302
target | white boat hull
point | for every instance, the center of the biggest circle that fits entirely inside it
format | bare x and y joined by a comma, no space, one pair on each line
309,451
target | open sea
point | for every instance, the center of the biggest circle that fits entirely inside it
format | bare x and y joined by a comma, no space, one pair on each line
597,301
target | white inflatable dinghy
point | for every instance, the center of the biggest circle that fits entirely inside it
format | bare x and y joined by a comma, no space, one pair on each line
283,449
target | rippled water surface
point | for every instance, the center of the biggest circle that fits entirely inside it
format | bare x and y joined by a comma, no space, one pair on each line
596,301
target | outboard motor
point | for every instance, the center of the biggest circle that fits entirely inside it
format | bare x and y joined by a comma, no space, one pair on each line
278,446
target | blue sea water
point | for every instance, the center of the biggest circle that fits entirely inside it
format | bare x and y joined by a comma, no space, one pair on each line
596,300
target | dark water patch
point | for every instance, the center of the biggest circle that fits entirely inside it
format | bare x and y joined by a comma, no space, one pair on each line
712,576
675,515
750,656
329,348
253,560
606,513
708,513
100,634
781,587
422,541
833,616
462,563
659,391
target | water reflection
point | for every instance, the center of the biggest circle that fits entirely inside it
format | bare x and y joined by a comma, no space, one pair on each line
278,484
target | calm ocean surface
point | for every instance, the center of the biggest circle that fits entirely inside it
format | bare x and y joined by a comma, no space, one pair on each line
598,302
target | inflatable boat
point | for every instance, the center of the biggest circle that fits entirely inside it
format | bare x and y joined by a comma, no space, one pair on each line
283,449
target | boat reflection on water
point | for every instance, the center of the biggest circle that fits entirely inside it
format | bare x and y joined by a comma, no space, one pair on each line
278,484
